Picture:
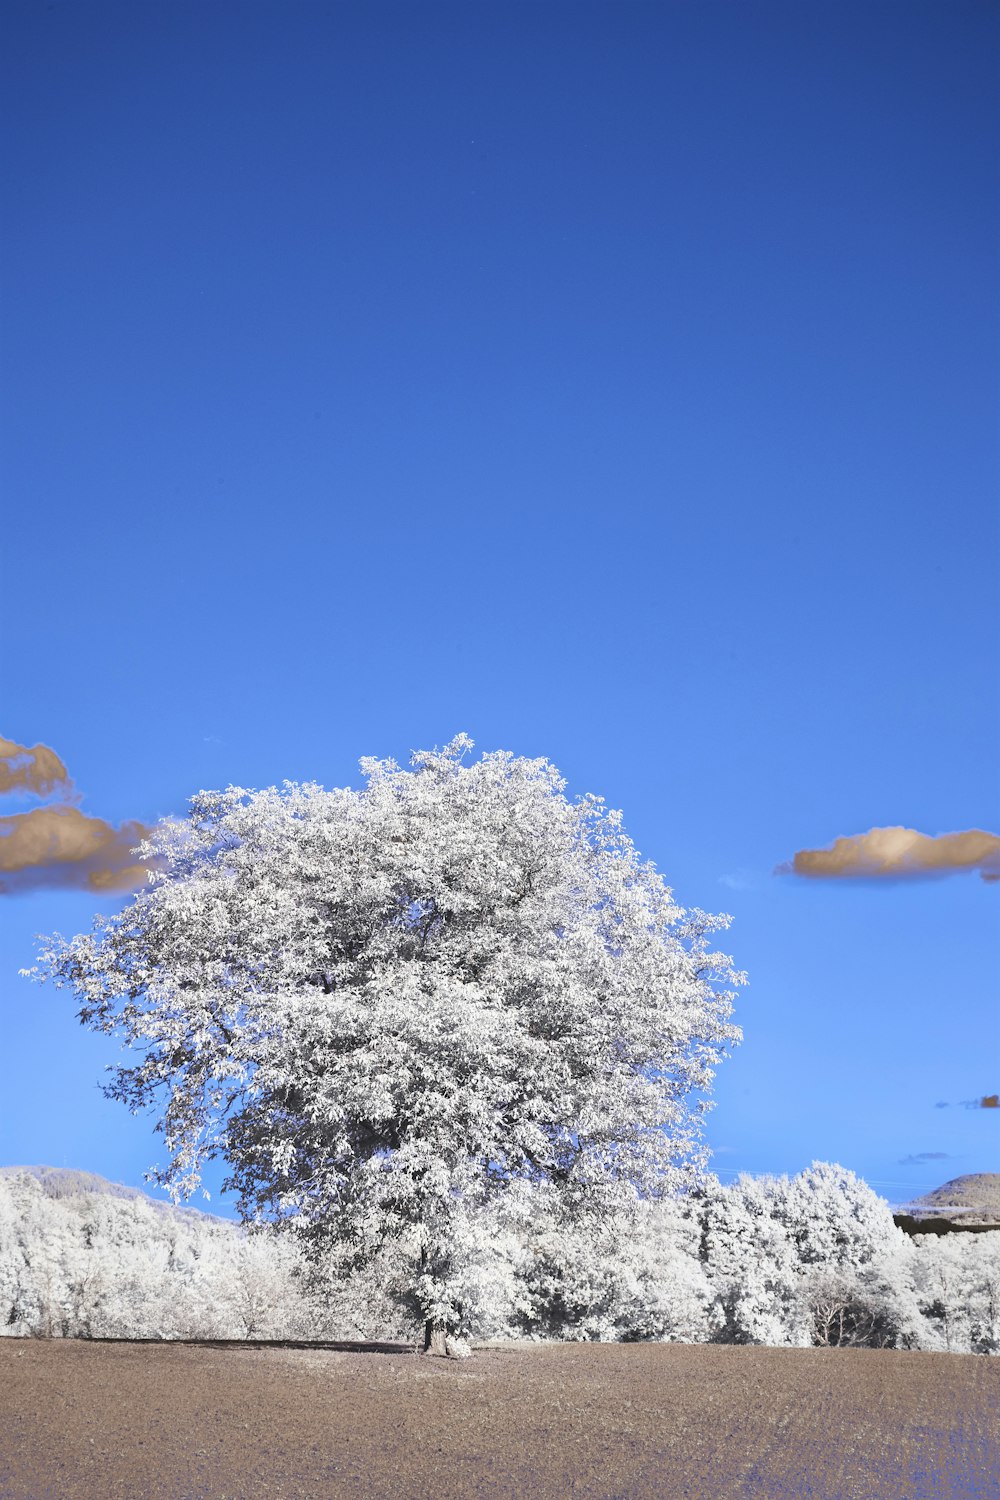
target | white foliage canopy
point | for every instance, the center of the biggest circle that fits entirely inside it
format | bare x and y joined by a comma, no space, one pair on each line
391,1008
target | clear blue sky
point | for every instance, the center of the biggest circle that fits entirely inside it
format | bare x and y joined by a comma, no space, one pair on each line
614,382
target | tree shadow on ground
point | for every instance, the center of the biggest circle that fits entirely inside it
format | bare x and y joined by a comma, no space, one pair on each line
336,1346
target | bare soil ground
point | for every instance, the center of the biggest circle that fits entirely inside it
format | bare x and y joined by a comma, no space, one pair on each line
86,1421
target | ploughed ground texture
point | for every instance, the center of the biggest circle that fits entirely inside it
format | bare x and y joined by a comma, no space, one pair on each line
244,1422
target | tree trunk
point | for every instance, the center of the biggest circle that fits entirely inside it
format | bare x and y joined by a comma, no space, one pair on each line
435,1335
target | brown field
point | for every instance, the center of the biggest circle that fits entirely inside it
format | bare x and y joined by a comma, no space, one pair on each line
683,1422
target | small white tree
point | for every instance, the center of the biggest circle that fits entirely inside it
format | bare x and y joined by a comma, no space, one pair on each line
812,1259
752,1263
983,1296
387,1007
855,1262
957,1282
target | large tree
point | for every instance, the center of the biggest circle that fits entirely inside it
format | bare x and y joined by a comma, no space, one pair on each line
400,1012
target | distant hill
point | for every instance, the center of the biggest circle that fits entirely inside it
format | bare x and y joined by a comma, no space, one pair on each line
70,1182
979,1192
969,1202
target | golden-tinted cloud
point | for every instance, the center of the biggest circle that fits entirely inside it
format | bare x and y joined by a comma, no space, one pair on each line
60,846
36,769
899,854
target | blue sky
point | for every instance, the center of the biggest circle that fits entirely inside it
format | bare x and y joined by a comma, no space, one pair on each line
613,382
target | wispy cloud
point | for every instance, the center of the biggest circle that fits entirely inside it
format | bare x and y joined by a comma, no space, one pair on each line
899,854
58,846
985,1101
920,1157
740,880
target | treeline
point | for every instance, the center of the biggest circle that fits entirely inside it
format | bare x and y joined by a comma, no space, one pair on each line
810,1260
